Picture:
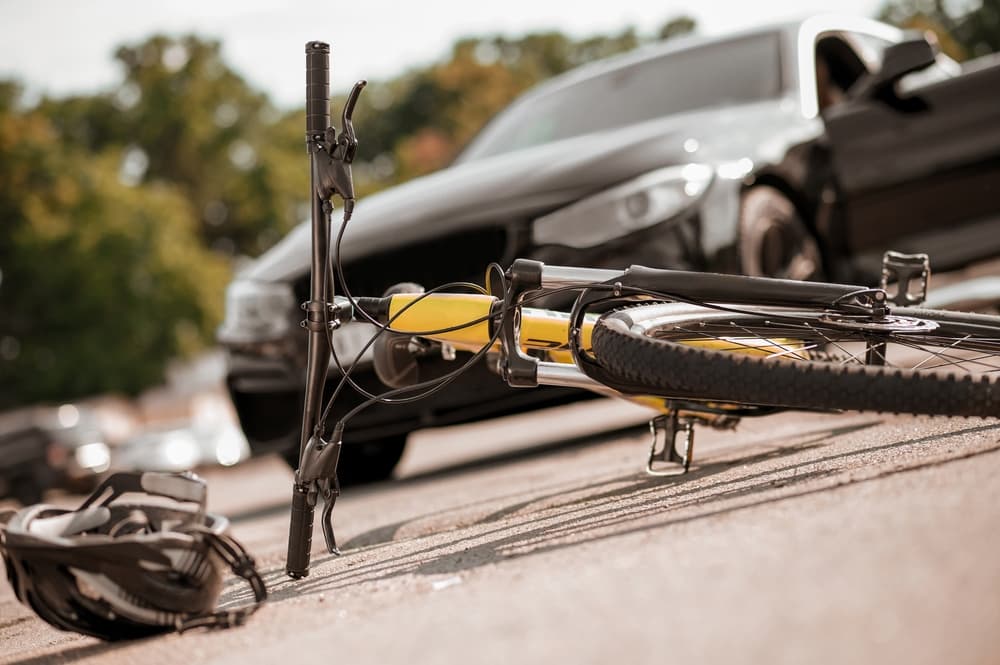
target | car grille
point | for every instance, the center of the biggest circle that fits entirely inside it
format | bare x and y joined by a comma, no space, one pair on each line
457,257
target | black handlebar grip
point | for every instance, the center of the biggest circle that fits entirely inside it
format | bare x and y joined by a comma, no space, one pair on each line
300,531
317,87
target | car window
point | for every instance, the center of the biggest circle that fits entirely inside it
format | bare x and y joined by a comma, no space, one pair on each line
735,71
838,68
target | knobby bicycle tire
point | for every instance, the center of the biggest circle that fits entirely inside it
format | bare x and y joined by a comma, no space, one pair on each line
644,348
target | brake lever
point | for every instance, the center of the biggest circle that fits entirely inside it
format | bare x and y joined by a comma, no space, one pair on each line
318,471
330,489
347,141
333,171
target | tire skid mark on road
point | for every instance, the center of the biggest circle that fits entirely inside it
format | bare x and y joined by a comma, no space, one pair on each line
612,507
525,500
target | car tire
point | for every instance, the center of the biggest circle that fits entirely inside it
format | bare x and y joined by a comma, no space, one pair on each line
773,240
366,462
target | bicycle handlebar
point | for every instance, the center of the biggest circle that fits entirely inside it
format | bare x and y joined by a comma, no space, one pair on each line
317,87
304,493
330,174
300,531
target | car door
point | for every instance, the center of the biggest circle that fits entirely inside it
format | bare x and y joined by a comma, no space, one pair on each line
921,173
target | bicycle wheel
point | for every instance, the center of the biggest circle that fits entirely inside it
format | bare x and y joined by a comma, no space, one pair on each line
916,361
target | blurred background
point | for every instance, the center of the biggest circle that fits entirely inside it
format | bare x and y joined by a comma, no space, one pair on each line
144,153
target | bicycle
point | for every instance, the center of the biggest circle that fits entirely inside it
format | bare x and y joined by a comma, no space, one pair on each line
699,347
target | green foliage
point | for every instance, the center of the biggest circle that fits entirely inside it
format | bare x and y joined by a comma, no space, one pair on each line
183,117
964,29
677,27
101,283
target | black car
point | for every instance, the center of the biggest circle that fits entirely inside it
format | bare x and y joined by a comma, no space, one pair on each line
803,150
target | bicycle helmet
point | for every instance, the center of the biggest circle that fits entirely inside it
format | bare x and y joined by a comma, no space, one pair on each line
124,569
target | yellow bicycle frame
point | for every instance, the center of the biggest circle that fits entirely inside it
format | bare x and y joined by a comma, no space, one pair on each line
541,329
466,318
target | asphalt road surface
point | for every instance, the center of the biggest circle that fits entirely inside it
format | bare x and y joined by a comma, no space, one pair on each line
796,538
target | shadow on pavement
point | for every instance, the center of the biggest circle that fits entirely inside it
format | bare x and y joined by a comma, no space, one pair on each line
587,514
485,462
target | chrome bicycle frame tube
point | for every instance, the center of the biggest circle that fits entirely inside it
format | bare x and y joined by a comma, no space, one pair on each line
554,277
569,376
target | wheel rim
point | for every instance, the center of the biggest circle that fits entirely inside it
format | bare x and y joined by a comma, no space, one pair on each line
907,343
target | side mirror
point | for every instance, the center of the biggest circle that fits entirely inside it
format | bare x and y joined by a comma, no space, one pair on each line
913,54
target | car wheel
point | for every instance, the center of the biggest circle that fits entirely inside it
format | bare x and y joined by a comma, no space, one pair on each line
774,242
365,462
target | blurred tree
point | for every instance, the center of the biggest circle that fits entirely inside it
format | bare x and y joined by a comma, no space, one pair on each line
965,29
676,27
181,115
100,283
979,29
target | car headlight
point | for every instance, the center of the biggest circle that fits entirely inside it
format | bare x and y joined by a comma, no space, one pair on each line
256,311
94,456
642,202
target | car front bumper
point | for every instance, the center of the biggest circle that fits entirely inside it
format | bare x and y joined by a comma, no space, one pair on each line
268,393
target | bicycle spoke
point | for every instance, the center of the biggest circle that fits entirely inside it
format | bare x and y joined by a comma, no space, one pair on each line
948,359
851,356
737,345
785,350
970,354
794,352
958,341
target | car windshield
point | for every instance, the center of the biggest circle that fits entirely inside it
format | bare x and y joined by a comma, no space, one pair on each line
735,71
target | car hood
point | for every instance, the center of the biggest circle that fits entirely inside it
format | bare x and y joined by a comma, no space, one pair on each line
527,182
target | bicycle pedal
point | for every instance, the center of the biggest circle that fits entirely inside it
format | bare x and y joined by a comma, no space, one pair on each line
676,463
902,269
